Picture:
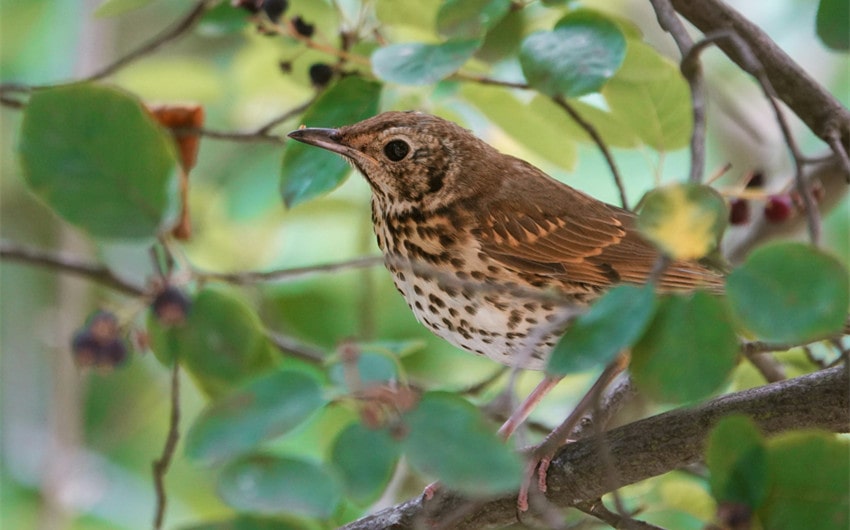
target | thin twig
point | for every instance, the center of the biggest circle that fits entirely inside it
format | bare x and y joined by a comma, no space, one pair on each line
288,275
70,264
297,348
177,30
833,138
598,510
591,130
291,113
692,71
160,465
754,67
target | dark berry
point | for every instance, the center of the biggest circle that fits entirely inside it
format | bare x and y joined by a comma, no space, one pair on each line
778,208
739,211
321,74
103,326
86,348
252,6
756,180
171,306
274,9
285,66
302,27
112,354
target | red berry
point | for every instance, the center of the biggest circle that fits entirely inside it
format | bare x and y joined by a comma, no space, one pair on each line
778,208
739,211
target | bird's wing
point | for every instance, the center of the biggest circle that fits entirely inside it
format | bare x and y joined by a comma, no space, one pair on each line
554,231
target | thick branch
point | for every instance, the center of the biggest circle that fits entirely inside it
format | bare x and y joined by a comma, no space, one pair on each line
643,449
818,109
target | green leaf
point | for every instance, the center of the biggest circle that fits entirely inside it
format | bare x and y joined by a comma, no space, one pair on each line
685,220
809,486
611,324
246,522
609,129
448,439
833,24
265,407
790,293
364,459
271,485
223,19
370,368
737,460
111,8
308,172
543,133
583,52
220,344
422,64
688,351
469,19
96,157
650,96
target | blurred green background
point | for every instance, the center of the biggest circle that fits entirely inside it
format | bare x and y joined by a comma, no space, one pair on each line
77,445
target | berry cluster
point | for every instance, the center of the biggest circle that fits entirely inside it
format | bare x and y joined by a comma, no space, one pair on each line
99,343
320,73
778,207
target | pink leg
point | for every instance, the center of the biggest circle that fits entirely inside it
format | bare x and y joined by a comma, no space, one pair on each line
521,413
542,455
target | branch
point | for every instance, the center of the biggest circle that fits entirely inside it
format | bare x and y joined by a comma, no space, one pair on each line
594,135
818,109
179,28
160,465
692,71
644,449
298,273
70,264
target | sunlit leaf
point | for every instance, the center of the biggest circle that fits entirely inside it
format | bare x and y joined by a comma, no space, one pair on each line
790,292
684,220
809,486
422,64
220,344
611,324
583,52
223,19
650,96
308,172
470,18
737,462
537,132
449,439
263,408
688,351
272,485
96,157
365,460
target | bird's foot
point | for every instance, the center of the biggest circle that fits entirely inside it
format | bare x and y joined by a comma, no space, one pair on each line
431,490
539,460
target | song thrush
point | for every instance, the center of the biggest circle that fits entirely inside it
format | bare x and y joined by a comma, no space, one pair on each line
474,238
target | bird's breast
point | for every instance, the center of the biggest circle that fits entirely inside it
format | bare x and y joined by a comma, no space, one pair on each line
461,295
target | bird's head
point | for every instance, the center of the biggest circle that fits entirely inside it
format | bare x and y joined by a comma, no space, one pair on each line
411,159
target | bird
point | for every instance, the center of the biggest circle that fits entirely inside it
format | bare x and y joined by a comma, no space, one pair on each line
487,249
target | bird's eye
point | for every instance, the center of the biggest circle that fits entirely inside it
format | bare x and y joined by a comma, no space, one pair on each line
396,150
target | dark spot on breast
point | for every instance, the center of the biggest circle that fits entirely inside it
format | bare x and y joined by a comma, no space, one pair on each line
417,290
471,309
436,301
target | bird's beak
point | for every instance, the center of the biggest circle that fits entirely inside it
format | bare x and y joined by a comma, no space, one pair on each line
325,138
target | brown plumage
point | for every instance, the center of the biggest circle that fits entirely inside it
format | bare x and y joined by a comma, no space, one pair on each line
452,213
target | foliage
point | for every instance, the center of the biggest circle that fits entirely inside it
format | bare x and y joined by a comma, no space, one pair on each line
293,415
